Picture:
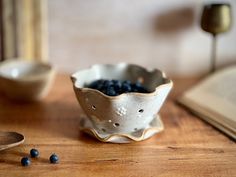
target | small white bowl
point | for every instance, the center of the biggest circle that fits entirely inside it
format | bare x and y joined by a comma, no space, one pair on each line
25,80
125,113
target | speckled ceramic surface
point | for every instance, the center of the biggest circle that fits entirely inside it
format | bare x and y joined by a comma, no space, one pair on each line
155,126
127,112
25,80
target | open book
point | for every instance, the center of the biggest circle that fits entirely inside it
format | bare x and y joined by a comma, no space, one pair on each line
214,100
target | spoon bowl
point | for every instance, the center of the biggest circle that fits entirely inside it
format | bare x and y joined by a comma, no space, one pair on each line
10,139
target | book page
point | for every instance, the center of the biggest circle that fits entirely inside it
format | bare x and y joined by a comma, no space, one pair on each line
217,94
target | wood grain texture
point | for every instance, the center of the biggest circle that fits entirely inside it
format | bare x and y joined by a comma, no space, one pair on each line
187,147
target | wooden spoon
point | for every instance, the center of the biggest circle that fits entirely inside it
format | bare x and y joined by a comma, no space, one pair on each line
10,139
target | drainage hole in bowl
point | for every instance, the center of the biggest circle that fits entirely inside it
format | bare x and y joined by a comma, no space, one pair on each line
135,129
93,107
116,124
141,111
103,129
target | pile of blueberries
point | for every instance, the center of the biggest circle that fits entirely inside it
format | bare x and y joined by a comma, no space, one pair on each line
117,87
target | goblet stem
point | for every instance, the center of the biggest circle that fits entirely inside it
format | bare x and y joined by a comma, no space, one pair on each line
213,54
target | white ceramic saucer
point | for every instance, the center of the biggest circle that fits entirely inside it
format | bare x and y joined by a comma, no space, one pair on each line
154,127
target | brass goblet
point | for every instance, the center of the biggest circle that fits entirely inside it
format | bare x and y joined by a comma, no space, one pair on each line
216,18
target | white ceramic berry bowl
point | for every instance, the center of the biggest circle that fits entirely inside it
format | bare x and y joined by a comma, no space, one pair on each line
23,80
125,113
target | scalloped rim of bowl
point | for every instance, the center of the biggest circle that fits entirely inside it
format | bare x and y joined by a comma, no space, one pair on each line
49,69
168,83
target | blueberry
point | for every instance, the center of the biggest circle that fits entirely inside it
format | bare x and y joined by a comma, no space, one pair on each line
54,158
138,84
116,82
101,87
107,83
137,87
34,153
25,161
117,86
127,82
111,91
126,87
143,90
95,84
133,88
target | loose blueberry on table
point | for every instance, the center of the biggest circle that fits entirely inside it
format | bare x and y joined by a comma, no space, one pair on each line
54,158
25,161
34,153
117,87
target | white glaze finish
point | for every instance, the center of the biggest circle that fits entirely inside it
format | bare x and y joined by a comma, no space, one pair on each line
121,114
25,80
121,111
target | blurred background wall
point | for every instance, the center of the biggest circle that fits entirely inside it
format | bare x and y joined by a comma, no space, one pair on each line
163,34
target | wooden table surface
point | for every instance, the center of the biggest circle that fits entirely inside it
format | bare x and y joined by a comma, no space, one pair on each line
187,147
